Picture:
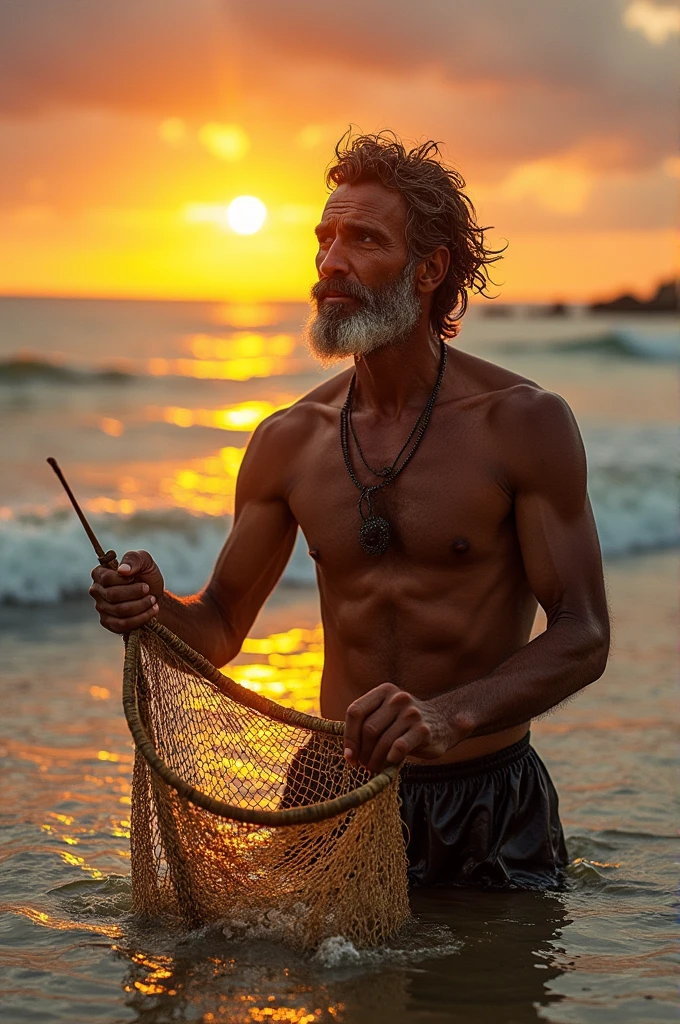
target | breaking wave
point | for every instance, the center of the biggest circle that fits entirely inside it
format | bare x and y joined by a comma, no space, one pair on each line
45,558
618,344
25,370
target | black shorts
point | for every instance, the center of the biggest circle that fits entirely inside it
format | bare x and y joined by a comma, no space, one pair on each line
490,822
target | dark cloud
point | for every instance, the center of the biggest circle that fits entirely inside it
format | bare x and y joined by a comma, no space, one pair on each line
579,43
523,76
503,81
131,55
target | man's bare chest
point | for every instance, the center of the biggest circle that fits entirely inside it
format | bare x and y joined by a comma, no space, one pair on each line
448,506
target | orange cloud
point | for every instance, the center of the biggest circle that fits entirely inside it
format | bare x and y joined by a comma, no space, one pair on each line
127,130
154,56
521,80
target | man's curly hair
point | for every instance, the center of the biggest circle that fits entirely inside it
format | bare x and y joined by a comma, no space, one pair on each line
439,213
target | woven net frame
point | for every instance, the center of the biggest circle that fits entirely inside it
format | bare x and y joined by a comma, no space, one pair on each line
247,812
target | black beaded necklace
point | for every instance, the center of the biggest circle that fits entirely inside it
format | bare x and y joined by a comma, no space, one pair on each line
374,534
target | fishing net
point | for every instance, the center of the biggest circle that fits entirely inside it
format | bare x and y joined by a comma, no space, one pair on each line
246,812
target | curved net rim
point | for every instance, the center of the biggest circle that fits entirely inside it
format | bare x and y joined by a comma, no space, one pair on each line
230,688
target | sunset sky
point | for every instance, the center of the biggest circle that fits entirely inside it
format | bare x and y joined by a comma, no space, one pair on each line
127,128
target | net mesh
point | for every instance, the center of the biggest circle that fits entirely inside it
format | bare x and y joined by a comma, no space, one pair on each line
247,812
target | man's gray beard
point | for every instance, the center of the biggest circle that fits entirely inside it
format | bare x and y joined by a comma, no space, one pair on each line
385,316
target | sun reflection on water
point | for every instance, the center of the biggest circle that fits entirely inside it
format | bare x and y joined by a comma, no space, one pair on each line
207,486
289,669
152,977
246,314
239,356
204,486
111,931
247,345
243,417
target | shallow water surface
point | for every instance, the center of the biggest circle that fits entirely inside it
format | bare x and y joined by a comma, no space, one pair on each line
603,950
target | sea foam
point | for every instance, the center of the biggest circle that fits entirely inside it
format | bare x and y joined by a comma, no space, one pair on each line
45,558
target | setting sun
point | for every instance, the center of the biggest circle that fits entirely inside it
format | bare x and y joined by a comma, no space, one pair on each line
246,215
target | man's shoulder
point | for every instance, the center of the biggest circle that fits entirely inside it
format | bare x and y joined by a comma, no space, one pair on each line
528,411
330,394
295,420
533,431
514,400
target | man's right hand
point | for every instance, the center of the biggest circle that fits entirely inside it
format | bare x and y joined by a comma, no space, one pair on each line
128,597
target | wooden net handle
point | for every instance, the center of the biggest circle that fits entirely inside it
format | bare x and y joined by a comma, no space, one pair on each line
106,558
241,694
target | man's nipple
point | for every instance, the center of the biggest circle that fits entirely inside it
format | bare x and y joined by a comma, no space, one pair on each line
314,553
460,545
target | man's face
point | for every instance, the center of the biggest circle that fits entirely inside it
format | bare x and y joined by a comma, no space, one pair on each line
365,296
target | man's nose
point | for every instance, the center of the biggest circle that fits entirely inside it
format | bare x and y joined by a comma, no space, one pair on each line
333,263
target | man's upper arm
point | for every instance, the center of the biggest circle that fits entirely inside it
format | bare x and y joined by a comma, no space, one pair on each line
554,520
263,532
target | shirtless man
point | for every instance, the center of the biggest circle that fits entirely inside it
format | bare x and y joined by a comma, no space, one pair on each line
427,652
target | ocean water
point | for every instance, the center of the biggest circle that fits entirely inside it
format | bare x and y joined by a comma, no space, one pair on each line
148,407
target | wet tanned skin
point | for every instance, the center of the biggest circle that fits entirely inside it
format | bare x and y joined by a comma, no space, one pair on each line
427,651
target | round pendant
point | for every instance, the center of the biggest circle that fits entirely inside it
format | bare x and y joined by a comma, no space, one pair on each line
374,535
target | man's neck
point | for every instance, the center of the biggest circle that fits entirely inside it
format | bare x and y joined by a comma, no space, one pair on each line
398,376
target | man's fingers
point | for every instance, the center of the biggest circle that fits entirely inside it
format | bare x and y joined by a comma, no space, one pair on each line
127,598
126,610
357,712
118,625
373,728
405,744
109,578
384,726
114,595
382,748
397,716
134,562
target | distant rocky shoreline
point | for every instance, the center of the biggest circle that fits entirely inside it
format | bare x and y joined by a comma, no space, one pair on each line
665,300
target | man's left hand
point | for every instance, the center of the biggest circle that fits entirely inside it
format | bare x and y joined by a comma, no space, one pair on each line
388,724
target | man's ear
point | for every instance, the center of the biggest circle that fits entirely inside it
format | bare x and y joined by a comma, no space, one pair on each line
433,269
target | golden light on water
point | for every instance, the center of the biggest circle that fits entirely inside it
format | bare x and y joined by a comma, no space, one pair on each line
244,368
111,931
243,345
243,417
288,669
208,486
284,643
203,486
246,314
238,356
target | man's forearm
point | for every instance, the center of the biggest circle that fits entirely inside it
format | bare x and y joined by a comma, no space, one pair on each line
561,661
198,621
